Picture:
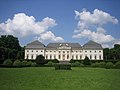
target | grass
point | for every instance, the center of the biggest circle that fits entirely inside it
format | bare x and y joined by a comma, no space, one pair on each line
46,78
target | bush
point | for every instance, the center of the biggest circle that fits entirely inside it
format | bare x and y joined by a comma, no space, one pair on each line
17,63
55,61
7,62
71,61
29,63
96,64
109,65
81,65
117,65
50,63
86,61
34,64
102,64
24,63
76,64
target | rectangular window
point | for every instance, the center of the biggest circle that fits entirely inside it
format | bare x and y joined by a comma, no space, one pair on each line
27,56
50,56
80,56
36,50
100,57
85,51
46,56
90,56
95,56
99,51
72,57
76,57
32,56
54,56
67,56
59,56
27,50
32,50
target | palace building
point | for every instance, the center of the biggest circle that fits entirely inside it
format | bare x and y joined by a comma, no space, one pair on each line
64,51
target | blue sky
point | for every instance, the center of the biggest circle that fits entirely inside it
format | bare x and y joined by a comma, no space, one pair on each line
60,20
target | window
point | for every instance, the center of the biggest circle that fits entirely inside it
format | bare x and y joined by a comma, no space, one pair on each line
80,56
41,51
90,56
100,51
59,51
76,56
54,51
95,51
100,57
27,50
67,56
32,50
85,51
27,56
59,57
80,51
36,50
95,56
54,56
63,51
72,57
50,56
32,56
76,51
67,51
46,56
90,51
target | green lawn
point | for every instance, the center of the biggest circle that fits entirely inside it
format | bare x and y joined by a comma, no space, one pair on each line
46,78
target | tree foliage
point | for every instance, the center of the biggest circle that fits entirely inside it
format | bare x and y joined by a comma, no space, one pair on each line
86,61
10,48
40,60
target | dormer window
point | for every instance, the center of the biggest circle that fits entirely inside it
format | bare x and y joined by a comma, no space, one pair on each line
60,44
66,44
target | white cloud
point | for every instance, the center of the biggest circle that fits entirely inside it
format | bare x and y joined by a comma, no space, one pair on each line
90,26
23,25
50,36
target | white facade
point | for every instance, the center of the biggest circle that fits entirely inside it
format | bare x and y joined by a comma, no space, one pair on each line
64,52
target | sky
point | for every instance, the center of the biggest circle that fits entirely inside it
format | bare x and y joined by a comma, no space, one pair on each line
61,21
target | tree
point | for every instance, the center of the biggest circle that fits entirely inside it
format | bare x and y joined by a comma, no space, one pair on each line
40,60
86,61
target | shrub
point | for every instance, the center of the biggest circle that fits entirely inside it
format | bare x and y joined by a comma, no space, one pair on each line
34,64
17,63
7,62
55,61
109,65
71,61
86,61
50,63
76,64
24,63
96,64
81,65
102,64
117,65
29,63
